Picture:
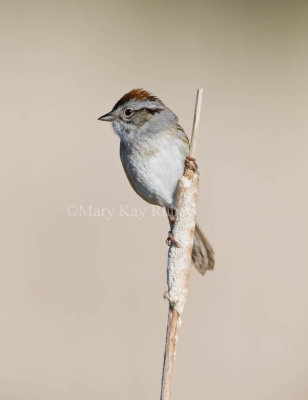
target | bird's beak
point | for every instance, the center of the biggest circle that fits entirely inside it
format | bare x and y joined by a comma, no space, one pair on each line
108,117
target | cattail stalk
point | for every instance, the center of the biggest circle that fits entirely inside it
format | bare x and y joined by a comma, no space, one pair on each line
179,258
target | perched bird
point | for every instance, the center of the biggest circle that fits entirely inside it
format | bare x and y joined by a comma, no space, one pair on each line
154,151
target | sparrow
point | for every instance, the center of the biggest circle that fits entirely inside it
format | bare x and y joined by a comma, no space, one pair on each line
154,152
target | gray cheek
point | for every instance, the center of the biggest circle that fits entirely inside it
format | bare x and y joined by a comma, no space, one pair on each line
139,119
164,120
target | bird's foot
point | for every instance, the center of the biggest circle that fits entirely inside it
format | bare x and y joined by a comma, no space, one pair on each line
171,241
190,163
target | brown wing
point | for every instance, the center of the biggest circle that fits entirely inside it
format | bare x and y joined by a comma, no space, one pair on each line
181,133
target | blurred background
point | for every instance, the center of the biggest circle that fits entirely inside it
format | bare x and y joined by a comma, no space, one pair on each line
82,314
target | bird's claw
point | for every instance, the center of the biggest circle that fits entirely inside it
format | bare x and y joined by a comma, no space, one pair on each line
171,241
190,163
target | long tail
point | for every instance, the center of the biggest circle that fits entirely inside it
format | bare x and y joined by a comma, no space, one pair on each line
202,252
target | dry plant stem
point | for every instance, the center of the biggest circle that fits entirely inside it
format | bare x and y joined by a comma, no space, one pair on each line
179,258
195,128
170,350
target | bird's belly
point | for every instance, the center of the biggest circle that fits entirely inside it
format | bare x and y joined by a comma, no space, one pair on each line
154,173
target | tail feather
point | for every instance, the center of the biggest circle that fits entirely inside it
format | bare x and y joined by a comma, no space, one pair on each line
202,252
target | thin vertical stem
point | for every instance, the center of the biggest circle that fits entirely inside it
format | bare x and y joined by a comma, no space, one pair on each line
179,258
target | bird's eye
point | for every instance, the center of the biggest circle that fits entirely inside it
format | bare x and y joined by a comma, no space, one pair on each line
128,112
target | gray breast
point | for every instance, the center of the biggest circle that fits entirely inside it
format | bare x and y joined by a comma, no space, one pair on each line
153,166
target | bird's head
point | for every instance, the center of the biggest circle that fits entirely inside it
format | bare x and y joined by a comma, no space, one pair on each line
138,111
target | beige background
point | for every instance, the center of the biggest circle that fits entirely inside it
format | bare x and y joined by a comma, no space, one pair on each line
82,314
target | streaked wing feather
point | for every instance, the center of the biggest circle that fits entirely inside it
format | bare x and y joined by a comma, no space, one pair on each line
181,133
